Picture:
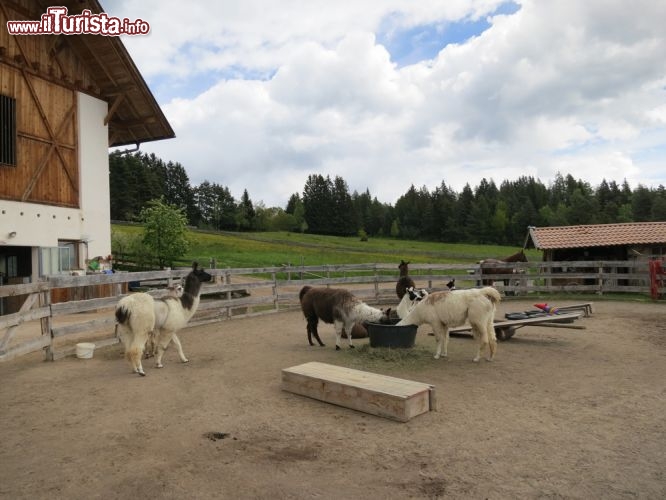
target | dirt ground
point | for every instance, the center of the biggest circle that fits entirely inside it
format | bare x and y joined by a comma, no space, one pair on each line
560,413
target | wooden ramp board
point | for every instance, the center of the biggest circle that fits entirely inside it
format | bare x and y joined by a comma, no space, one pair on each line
586,307
380,395
535,321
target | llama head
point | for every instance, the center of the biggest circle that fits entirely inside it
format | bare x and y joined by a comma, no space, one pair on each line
200,274
175,290
409,301
416,295
451,285
386,317
404,269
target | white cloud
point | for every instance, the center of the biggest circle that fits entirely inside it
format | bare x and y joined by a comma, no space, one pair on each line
303,87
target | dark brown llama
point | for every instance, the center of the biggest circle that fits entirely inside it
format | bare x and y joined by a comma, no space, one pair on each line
404,282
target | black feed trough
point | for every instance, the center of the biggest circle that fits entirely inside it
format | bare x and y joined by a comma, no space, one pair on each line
391,335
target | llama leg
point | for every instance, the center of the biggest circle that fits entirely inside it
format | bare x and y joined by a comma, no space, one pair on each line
338,325
135,352
151,346
440,333
309,330
492,338
478,334
163,342
479,325
312,330
179,346
348,329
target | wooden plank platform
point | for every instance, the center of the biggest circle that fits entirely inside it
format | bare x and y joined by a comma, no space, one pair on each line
536,321
381,395
586,307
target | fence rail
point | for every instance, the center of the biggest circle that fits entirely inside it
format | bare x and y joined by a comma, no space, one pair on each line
46,322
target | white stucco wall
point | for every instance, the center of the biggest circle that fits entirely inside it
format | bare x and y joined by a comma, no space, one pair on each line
94,167
38,225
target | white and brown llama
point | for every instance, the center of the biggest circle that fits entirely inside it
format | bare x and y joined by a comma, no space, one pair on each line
139,314
448,309
338,307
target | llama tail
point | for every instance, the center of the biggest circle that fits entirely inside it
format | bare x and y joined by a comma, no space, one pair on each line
122,314
492,295
303,291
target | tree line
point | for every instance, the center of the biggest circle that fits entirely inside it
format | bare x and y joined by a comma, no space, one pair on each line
486,213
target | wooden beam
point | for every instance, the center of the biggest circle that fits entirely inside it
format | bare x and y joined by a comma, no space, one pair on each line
116,102
54,145
126,124
36,138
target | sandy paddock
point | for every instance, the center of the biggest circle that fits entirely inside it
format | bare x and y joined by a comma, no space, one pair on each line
559,414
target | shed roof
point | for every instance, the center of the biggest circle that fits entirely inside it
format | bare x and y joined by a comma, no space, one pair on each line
134,114
598,235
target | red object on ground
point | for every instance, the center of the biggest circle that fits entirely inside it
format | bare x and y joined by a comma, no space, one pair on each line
547,308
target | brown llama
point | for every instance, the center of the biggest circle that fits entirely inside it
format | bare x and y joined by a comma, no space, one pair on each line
338,307
404,282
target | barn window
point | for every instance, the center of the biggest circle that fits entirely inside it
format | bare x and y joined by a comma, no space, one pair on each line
7,130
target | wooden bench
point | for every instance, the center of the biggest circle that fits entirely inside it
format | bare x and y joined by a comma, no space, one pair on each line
380,395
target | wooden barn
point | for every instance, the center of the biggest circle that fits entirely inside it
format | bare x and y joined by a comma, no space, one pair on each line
625,249
633,241
64,101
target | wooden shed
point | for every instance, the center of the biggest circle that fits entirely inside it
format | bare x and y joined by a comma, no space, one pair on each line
626,241
64,100
633,243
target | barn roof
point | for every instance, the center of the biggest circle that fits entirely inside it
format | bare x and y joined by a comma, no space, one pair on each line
598,235
134,114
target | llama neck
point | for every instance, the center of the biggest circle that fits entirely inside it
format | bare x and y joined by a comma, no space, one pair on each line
412,315
190,304
405,306
366,313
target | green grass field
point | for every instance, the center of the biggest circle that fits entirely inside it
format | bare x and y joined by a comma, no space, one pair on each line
279,248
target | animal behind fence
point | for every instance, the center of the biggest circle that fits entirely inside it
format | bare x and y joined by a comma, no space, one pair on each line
139,316
494,266
339,307
404,281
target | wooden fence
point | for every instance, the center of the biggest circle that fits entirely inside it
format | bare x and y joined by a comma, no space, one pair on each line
46,322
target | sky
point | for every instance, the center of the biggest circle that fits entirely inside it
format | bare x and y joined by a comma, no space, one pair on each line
393,93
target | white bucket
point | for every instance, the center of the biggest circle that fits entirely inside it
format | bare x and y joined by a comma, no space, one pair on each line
84,350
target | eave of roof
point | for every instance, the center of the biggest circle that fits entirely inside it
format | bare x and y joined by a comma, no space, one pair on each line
135,116
597,235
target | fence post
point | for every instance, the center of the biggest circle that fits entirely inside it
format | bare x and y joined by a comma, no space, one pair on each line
45,300
227,281
275,292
